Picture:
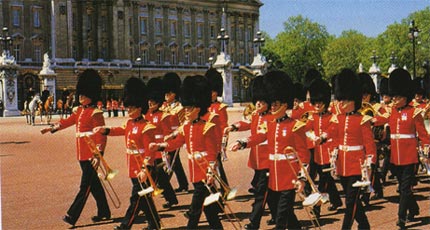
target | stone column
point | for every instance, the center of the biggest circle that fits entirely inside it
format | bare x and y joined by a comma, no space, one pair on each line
8,77
48,77
223,65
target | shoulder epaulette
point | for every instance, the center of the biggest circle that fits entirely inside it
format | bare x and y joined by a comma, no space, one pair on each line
211,116
365,119
334,119
208,125
417,111
222,106
148,126
96,111
298,125
164,115
377,106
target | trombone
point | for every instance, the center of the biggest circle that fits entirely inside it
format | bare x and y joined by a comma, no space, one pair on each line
138,158
315,198
108,173
202,162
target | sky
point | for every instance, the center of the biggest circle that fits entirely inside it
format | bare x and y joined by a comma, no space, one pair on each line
370,17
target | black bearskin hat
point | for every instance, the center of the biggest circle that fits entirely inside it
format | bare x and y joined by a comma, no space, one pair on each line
320,91
299,92
135,94
215,80
258,91
367,85
196,92
90,85
279,87
155,90
418,85
383,86
310,76
172,83
400,84
347,87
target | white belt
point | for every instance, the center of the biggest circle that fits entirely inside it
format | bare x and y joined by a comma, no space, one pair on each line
135,151
402,136
347,148
159,136
281,157
195,155
83,134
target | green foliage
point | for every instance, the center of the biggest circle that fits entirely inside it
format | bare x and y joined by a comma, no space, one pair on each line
304,44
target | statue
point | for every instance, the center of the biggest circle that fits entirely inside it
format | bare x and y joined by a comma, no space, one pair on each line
46,68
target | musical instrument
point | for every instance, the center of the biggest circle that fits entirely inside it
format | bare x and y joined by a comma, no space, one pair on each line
424,157
248,111
139,160
315,198
224,147
365,174
215,196
367,109
333,158
106,172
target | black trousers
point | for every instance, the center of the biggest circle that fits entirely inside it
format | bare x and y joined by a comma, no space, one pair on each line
164,183
178,169
406,176
138,203
196,207
354,207
260,196
222,172
285,216
90,183
328,185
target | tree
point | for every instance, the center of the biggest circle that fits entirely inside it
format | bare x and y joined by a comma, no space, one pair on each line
299,47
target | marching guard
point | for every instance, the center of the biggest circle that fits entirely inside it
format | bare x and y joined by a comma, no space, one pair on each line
138,133
201,147
356,147
86,117
286,142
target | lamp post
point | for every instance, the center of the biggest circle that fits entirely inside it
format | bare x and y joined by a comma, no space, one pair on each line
413,34
6,40
259,41
139,61
223,38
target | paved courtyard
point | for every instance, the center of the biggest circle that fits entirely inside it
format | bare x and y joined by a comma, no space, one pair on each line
40,177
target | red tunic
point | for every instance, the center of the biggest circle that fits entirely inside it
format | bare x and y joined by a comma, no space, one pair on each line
354,139
319,124
259,154
405,124
282,133
138,134
177,111
85,120
162,122
198,136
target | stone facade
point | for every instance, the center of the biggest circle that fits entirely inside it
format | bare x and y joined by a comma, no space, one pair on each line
109,35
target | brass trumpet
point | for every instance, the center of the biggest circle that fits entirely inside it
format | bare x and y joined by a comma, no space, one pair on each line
424,157
106,172
248,111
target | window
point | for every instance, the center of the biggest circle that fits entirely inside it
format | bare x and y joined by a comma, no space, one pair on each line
74,52
89,53
89,22
158,26
36,17
37,54
173,28
200,58
159,56
174,58
199,30
104,23
187,58
143,25
145,56
212,31
187,29
16,16
17,52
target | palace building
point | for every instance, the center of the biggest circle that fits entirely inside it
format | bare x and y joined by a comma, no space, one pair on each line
124,38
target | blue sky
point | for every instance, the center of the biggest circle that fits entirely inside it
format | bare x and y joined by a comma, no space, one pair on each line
370,17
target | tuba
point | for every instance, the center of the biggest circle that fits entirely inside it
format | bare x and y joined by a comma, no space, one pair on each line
248,111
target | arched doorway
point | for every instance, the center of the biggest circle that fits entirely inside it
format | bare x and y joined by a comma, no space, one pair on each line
25,82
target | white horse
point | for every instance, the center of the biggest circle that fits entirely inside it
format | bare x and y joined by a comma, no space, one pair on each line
33,108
